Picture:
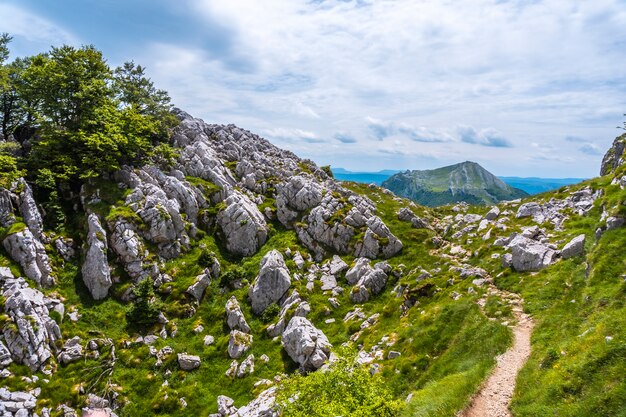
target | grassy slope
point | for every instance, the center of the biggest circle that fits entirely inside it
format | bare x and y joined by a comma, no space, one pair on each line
447,346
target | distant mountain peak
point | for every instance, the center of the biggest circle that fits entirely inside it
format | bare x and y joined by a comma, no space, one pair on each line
466,181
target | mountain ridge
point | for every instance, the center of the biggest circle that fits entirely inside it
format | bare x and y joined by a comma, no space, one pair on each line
466,181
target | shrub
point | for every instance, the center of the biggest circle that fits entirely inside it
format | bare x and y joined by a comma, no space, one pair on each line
146,308
345,389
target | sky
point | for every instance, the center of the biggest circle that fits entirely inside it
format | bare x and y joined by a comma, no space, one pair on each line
523,87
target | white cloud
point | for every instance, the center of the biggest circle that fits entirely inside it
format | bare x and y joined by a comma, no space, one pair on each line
22,23
446,80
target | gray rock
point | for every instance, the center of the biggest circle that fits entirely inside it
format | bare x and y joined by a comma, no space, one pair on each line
234,316
72,351
367,281
305,344
271,284
5,356
263,406
188,362
614,223
614,156
292,304
531,209
29,211
337,265
226,406
202,282
65,247
493,213
530,255
393,354
246,367
575,247
238,343
127,244
298,260
30,253
95,269
33,334
242,225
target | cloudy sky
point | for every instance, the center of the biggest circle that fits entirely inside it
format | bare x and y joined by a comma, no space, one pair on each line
524,87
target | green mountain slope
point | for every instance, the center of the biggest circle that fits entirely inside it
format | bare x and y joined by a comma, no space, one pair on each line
467,181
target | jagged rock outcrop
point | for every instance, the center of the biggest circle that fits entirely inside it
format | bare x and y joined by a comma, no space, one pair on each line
17,403
31,333
95,270
262,406
29,211
161,215
293,304
614,156
305,344
581,202
406,215
24,248
367,281
242,225
271,284
234,316
72,351
127,245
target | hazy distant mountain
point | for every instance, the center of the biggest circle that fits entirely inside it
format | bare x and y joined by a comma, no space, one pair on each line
535,185
467,181
363,177
532,185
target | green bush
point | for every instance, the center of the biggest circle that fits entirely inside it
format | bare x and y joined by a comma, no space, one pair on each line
146,307
345,389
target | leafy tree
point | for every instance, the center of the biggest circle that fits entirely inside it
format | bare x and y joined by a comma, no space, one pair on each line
68,86
146,308
13,111
345,389
137,91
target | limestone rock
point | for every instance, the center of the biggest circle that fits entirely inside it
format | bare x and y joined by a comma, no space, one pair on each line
29,211
95,269
246,367
30,253
493,213
127,244
305,344
263,406
271,284
367,281
294,304
238,343
202,282
614,156
242,225
575,247
234,316
32,335
72,351
530,255
188,362
226,406
337,265
5,356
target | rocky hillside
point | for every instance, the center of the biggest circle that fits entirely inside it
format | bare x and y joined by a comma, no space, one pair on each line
465,182
206,287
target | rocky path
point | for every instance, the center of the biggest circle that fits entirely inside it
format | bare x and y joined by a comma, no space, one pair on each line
494,397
